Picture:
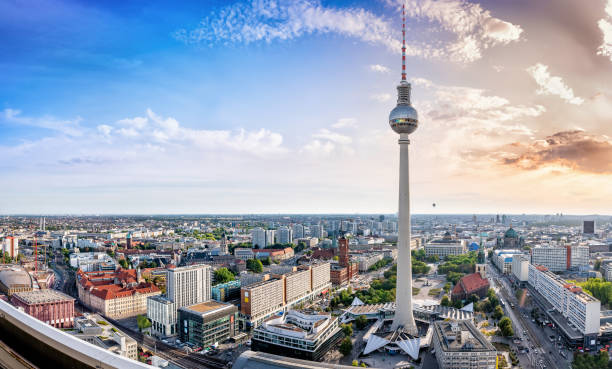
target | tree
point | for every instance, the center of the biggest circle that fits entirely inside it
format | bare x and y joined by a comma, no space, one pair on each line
473,298
347,329
355,363
124,263
498,313
254,265
223,275
361,322
335,258
266,261
143,322
447,287
597,264
505,326
445,301
346,347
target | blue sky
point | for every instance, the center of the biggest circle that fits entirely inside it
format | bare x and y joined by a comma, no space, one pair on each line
281,106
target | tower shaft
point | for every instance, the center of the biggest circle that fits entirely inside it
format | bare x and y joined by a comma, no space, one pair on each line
403,295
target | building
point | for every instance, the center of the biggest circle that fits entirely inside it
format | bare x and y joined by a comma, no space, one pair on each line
459,344
298,231
284,235
588,227
471,284
208,323
502,259
270,237
298,284
511,239
274,254
321,277
98,331
606,270
14,278
258,237
185,286
345,270
117,294
579,308
244,253
261,299
49,306
520,268
367,260
11,246
299,334
558,259
92,261
445,246
226,291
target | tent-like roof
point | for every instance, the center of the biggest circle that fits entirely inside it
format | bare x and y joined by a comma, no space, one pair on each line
357,302
374,343
410,347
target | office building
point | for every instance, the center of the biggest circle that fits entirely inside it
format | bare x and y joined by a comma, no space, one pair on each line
226,291
606,270
98,331
299,334
297,284
588,227
520,267
298,231
185,286
562,258
460,345
579,308
261,299
445,246
118,294
207,323
49,306
502,259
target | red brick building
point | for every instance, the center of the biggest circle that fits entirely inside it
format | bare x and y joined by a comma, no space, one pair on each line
471,284
344,271
49,306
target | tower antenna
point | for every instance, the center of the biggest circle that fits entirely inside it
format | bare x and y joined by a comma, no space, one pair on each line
403,41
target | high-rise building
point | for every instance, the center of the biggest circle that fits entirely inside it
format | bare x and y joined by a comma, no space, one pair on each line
270,237
588,227
298,231
284,235
11,246
404,120
259,237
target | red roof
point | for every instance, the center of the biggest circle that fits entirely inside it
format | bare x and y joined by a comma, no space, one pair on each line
470,283
102,284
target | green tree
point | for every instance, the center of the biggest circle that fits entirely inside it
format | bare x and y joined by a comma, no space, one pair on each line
266,261
445,301
346,347
347,329
355,363
143,322
223,275
473,298
361,322
124,263
505,326
254,265
498,313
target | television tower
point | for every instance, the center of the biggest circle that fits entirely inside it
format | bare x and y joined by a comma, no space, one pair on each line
404,120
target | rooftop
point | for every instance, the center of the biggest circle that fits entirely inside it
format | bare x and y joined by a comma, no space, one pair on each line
460,336
42,296
207,306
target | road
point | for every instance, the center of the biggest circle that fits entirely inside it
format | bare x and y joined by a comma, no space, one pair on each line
548,354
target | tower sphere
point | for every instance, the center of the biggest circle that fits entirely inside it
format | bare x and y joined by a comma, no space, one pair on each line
404,119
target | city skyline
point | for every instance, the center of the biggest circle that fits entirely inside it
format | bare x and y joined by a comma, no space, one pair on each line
246,108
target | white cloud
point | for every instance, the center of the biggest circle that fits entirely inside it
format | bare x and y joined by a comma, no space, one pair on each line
381,97
552,85
272,20
605,25
379,68
345,122
335,137
69,127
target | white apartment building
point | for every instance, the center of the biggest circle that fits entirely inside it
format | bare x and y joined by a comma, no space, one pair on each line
580,309
606,270
270,237
321,276
520,267
560,258
10,245
258,237
284,235
162,313
297,285
445,246
298,231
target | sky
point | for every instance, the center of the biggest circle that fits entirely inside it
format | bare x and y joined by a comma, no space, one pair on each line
281,106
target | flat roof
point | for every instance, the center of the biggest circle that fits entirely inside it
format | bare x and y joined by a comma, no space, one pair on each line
207,306
42,296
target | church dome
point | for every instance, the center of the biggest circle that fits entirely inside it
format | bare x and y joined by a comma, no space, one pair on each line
511,233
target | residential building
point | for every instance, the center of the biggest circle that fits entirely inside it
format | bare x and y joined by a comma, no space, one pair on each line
298,231
118,294
259,237
299,334
297,284
11,246
50,306
579,308
606,270
459,344
270,237
560,258
162,313
284,235
262,299
367,260
208,323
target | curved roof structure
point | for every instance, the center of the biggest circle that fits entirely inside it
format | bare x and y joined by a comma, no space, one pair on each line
14,276
511,233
